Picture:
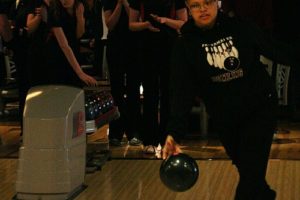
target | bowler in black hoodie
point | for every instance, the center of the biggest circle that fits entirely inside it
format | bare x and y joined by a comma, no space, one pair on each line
218,58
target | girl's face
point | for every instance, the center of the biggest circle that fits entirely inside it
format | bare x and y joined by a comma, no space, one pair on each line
204,12
67,3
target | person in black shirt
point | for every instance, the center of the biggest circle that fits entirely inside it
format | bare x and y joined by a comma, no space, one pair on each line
122,70
37,36
19,45
217,57
93,33
157,23
66,23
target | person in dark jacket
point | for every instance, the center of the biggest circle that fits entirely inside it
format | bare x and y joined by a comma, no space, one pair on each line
217,57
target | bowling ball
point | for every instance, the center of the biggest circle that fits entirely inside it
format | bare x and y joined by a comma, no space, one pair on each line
179,172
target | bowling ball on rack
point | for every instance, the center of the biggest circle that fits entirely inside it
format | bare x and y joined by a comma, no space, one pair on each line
179,172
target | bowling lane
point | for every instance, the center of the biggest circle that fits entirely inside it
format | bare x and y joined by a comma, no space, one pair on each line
139,179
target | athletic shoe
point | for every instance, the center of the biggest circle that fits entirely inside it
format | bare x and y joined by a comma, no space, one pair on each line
135,142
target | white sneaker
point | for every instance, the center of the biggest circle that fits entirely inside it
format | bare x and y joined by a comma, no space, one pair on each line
135,142
158,151
149,149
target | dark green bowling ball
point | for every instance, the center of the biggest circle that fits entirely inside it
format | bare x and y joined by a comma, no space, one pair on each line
179,172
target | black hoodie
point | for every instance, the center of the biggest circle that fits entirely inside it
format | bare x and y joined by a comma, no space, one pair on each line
221,65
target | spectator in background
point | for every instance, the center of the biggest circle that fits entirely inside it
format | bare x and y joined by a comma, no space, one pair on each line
157,23
19,45
66,23
123,79
37,35
93,33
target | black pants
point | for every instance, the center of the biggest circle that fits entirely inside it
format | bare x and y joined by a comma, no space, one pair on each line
248,144
19,46
155,80
133,103
294,94
98,58
2,70
123,80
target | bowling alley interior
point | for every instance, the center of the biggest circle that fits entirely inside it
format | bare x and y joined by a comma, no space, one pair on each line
126,172
60,148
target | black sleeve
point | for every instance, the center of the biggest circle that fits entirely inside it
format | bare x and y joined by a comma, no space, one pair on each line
181,92
109,4
34,4
227,6
53,19
288,54
179,4
5,6
11,14
135,4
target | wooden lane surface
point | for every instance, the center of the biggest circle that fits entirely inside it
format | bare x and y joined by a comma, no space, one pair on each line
285,146
139,179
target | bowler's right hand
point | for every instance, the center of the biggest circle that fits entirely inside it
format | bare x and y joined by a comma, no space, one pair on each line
170,147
